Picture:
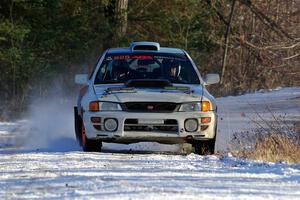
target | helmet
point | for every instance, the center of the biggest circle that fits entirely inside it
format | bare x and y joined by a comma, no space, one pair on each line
119,69
170,64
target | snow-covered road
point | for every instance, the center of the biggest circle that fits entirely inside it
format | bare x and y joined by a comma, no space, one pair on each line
56,168
143,176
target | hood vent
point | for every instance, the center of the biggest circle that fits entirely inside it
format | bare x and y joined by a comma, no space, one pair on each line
148,83
144,46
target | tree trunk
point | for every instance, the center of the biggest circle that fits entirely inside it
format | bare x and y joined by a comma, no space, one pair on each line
116,12
227,33
121,16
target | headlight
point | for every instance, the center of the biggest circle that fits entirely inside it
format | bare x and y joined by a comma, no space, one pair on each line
203,106
95,106
190,107
108,106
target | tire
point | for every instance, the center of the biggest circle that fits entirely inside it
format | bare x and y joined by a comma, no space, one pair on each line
77,125
205,147
88,145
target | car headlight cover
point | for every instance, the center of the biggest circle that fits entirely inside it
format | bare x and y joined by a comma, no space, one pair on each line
109,106
190,107
95,106
203,106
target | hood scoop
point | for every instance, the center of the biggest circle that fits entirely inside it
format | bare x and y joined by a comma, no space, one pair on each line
148,83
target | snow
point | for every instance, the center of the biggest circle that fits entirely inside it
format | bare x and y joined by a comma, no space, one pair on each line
58,169
150,176
238,114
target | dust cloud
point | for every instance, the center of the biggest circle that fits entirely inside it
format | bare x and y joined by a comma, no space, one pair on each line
49,124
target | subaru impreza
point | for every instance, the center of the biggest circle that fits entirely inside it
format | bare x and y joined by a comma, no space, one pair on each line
145,92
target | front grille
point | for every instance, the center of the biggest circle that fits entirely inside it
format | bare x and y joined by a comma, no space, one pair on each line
168,126
149,106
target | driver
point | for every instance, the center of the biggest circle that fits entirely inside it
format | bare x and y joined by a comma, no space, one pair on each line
120,70
172,70
142,65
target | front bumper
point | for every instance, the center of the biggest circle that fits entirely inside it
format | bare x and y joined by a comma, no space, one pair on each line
121,135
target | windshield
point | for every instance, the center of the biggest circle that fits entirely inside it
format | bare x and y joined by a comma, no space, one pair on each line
119,68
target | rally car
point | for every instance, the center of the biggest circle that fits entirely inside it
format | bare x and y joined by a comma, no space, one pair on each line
146,93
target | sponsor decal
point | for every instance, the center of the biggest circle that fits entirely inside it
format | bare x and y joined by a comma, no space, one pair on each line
170,58
125,57
143,57
121,57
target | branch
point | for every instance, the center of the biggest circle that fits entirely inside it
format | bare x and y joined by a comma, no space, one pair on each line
227,33
274,47
265,19
146,6
219,14
290,57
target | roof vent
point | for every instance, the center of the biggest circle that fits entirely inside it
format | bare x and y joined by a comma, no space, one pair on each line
144,46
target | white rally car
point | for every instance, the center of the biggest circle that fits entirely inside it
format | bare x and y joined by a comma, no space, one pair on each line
146,93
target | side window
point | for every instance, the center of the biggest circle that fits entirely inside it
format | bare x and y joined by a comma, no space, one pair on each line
94,68
103,72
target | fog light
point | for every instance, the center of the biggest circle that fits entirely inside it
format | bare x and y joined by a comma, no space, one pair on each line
191,125
110,124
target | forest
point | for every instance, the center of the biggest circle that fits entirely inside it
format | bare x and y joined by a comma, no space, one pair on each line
252,44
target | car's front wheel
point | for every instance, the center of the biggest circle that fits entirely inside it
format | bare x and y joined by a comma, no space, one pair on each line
84,142
88,144
205,147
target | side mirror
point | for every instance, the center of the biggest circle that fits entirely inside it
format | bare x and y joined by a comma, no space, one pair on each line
81,79
211,79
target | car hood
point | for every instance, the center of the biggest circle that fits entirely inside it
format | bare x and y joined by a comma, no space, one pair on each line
176,93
